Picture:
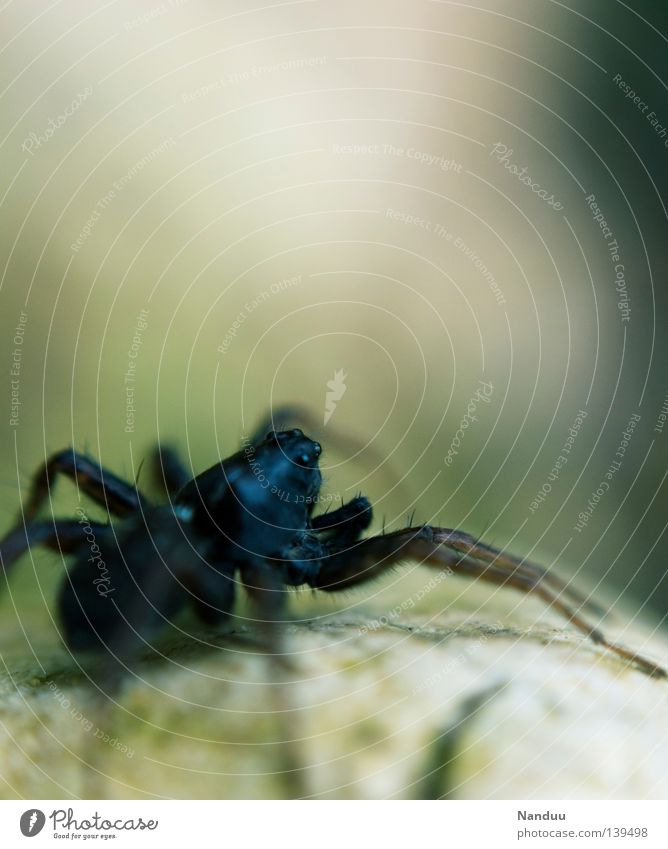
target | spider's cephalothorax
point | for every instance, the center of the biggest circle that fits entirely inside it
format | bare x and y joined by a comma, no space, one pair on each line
248,519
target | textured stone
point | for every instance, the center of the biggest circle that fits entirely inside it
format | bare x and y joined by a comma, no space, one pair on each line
476,700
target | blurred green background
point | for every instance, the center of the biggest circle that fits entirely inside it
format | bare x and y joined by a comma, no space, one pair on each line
325,176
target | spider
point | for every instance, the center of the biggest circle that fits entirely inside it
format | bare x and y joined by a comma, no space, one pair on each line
248,519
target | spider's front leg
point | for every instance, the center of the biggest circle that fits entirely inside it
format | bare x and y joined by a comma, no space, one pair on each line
468,544
443,548
264,582
344,526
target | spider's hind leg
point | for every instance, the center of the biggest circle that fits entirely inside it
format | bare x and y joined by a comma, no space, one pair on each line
106,489
66,536
111,492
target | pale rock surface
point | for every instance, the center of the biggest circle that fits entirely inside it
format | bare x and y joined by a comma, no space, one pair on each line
490,697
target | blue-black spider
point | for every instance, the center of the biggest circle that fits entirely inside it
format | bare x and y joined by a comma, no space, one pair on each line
249,519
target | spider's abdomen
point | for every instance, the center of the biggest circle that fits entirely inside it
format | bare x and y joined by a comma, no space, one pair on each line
124,588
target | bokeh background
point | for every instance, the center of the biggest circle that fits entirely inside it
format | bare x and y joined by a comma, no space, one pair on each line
233,204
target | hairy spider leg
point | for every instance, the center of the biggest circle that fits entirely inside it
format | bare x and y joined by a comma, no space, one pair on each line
431,546
64,536
468,544
211,591
346,524
106,489
265,587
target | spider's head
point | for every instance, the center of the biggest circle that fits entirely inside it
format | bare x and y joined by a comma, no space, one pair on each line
262,497
299,449
274,489
285,465
292,461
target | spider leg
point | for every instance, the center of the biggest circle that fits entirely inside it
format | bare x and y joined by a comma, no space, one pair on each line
468,544
115,495
65,536
111,492
433,547
211,592
264,584
168,471
345,525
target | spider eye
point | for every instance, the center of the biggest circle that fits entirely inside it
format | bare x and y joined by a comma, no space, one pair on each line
308,457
